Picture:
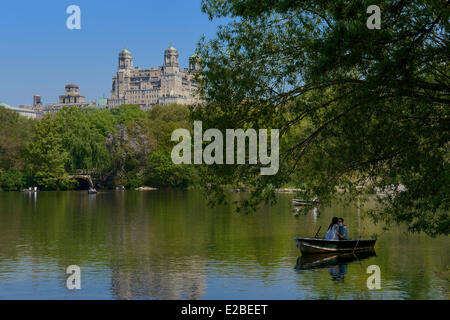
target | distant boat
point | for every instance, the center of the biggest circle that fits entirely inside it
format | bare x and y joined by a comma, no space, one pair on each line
320,245
92,191
298,202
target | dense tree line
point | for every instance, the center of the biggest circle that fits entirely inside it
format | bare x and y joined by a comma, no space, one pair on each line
124,146
15,133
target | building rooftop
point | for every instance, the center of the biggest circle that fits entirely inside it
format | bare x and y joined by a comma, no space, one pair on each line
71,85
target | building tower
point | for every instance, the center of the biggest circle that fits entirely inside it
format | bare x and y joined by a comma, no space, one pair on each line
171,79
122,80
125,60
194,63
171,62
37,101
72,95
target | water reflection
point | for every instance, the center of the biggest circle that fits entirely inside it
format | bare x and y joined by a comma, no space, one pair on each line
32,197
337,264
171,245
314,212
338,272
165,280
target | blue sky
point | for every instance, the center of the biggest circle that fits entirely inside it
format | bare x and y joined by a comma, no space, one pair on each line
39,55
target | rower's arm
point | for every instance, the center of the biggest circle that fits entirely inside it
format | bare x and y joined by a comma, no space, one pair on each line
339,235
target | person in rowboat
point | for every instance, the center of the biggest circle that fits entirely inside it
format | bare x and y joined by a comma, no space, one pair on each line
334,230
342,231
332,233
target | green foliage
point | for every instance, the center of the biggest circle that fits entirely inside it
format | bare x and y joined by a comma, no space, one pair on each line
133,180
82,140
129,145
359,110
163,120
103,121
11,180
65,142
46,157
15,133
124,146
126,113
163,172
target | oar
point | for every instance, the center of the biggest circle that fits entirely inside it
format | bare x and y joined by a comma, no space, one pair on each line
317,233
358,241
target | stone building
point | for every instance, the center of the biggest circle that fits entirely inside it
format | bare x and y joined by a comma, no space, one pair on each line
26,111
37,101
146,87
72,97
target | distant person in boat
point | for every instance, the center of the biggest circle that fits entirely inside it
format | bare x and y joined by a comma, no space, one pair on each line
342,231
333,230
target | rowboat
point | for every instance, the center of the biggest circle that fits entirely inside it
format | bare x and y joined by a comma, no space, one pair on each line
92,191
320,245
298,202
317,261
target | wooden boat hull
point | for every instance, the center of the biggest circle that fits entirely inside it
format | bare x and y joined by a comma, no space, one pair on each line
317,245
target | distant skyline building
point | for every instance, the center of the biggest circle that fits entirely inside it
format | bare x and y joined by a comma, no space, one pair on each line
164,85
72,97
37,101
23,111
4,105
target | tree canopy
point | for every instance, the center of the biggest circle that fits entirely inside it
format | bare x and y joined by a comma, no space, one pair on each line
124,146
15,134
358,109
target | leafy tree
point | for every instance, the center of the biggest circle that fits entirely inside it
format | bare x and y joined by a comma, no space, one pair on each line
11,180
376,101
69,140
163,120
15,133
102,120
82,140
162,172
128,112
46,157
130,145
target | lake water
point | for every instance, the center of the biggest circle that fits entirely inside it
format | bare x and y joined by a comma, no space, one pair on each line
171,245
